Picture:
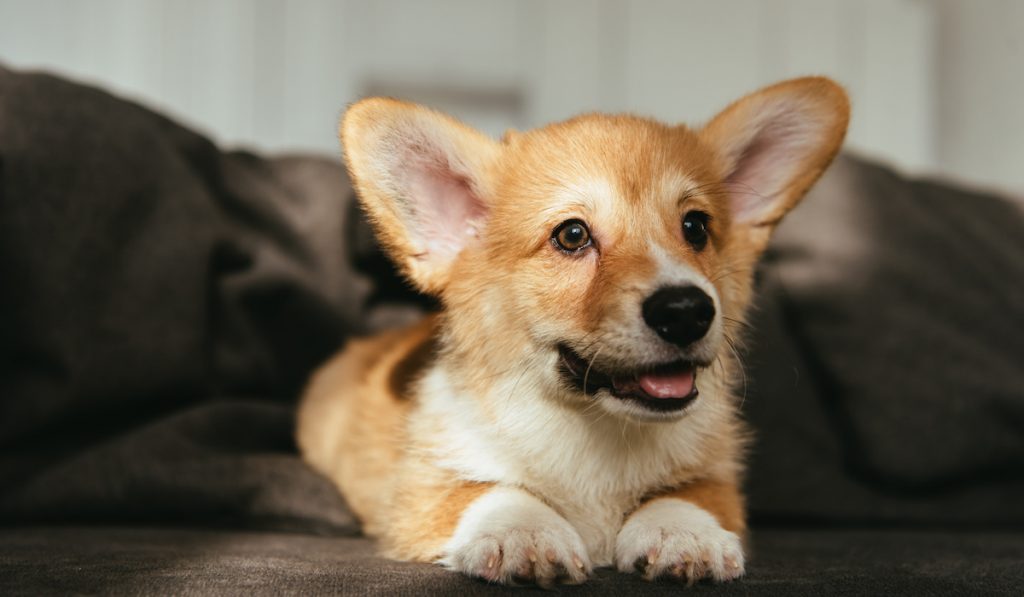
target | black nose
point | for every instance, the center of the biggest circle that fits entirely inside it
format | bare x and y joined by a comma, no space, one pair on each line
679,314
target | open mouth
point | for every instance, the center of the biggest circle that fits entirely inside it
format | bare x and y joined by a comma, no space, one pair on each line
664,388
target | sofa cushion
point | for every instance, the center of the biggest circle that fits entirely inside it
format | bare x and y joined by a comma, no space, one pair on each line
886,380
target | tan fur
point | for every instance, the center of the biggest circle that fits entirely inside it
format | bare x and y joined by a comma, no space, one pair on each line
416,425
351,421
721,498
427,512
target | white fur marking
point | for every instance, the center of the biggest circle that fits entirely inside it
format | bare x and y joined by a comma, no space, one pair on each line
508,535
672,537
673,272
592,468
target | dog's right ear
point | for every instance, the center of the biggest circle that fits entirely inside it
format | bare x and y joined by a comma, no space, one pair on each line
424,179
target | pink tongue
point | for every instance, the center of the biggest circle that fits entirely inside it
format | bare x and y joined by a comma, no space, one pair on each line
676,385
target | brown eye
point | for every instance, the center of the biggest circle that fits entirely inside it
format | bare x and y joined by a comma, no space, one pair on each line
695,229
571,236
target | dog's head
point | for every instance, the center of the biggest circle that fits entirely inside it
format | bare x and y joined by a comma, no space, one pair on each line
614,253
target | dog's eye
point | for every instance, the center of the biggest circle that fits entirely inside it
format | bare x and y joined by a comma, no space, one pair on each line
695,229
571,236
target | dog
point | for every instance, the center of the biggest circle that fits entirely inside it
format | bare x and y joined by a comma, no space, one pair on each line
573,404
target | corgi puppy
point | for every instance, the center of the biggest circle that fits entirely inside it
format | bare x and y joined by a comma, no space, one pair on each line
572,406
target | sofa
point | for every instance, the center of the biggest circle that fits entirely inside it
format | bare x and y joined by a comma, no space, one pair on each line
162,302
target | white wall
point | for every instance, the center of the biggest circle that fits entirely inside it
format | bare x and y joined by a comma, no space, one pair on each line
275,74
980,96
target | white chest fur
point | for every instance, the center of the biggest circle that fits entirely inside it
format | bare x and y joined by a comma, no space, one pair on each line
588,466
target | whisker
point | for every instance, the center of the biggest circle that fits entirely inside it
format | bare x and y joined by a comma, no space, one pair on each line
625,440
728,272
737,323
721,366
503,372
518,379
586,374
743,369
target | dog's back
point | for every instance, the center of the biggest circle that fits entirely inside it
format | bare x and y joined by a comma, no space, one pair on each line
351,415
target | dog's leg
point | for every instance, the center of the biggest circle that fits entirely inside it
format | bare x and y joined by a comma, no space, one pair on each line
501,534
509,535
689,533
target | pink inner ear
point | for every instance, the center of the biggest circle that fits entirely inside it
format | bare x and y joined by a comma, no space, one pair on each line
446,211
769,162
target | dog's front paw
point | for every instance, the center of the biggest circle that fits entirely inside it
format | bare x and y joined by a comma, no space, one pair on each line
509,536
676,539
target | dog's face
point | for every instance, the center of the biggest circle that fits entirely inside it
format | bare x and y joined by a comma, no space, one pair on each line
613,238
614,252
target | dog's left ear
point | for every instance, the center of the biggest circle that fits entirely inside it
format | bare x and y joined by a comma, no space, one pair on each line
773,145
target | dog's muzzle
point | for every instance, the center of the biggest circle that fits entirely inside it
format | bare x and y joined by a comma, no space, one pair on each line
668,387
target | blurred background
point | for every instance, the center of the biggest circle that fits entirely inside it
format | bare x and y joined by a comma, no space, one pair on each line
937,85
